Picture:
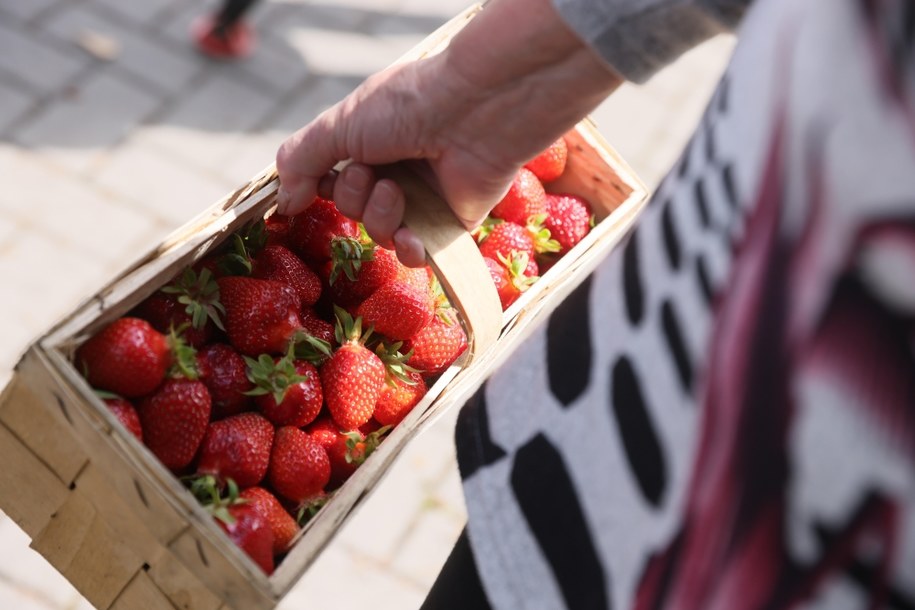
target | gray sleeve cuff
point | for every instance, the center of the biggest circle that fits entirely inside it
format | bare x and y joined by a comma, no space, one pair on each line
639,37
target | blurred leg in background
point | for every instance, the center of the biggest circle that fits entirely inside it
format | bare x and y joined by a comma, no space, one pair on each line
226,34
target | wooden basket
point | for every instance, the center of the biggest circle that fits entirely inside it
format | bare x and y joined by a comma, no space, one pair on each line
120,527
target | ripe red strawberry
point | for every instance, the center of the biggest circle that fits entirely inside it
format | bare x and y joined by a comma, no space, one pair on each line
276,229
525,198
250,532
175,420
280,264
550,163
311,232
128,357
262,316
397,310
352,377
509,277
438,344
237,448
398,397
299,467
126,414
190,305
316,326
224,372
419,277
281,522
288,391
345,450
506,237
568,219
357,270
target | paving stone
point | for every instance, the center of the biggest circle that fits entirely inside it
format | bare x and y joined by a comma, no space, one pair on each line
43,67
13,597
26,10
209,121
13,104
71,213
138,12
34,577
256,152
344,580
172,71
341,53
163,186
94,116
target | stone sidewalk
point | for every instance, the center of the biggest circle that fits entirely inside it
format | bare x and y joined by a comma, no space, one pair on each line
101,157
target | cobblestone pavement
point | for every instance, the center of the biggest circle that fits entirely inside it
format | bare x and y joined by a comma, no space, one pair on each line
100,158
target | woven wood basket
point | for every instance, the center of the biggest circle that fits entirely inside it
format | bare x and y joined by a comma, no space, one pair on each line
120,527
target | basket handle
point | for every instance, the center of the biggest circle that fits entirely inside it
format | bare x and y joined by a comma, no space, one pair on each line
453,255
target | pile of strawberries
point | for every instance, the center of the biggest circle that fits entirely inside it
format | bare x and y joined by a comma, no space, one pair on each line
530,228
265,374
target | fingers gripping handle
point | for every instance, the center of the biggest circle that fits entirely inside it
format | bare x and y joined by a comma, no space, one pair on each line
454,256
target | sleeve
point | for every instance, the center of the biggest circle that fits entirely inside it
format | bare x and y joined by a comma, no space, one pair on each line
639,37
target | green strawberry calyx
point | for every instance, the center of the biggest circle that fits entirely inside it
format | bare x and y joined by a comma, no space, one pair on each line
200,296
543,241
311,507
395,363
308,347
483,231
347,256
516,263
215,499
349,330
273,377
244,245
356,454
184,356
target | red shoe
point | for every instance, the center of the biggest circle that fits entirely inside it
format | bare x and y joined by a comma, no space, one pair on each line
236,43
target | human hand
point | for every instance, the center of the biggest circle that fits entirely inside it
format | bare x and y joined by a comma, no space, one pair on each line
509,84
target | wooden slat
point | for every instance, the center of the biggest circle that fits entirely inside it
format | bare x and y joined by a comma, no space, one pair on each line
179,584
221,570
122,461
40,419
29,491
82,547
142,594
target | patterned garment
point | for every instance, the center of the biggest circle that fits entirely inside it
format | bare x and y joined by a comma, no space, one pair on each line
723,415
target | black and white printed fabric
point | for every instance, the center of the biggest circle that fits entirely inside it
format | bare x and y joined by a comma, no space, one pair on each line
723,415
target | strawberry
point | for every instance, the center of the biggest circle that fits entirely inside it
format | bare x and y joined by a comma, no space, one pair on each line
357,270
287,391
223,371
281,522
126,414
398,397
276,228
345,450
280,264
237,448
506,237
250,532
299,467
174,421
128,357
420,277
509,277
437,344
568,219
311,232
397,310
261,315
316,326
525,198
352,377
550,163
